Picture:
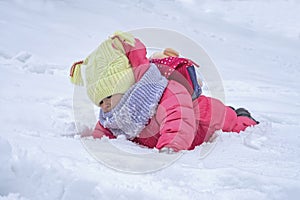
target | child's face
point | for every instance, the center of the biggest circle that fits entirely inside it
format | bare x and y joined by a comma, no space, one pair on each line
110,102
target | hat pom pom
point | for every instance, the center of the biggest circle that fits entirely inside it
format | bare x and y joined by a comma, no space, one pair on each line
124,37
75,73
121,40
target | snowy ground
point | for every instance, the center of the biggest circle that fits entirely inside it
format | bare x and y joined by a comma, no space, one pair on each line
255,46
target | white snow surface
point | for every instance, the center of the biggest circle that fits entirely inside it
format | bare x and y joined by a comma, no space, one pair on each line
255,46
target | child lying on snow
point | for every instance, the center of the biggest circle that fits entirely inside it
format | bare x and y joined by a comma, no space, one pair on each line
137,101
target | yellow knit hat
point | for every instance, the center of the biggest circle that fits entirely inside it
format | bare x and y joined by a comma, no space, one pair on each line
107,71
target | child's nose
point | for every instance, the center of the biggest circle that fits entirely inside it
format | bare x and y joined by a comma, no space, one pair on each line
106,101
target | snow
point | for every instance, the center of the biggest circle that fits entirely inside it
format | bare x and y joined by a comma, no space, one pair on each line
255,46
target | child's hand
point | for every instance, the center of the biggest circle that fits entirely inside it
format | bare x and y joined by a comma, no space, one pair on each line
87,132
167,150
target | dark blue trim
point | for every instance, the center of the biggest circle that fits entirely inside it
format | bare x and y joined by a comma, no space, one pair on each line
197,89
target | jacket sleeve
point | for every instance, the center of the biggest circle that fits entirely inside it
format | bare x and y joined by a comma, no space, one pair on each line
100,131
176,115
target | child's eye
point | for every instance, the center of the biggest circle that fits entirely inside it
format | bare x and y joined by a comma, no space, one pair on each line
101,102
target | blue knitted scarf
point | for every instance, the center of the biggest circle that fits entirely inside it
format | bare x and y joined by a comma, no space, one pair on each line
130,116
